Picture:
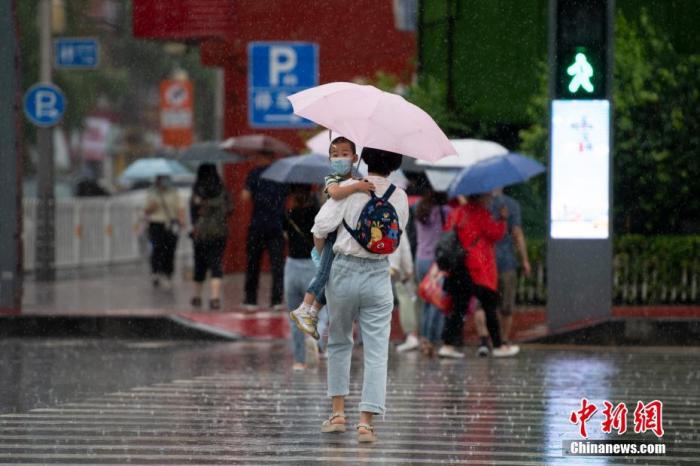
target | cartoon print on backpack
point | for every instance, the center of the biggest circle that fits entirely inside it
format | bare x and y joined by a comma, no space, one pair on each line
378,226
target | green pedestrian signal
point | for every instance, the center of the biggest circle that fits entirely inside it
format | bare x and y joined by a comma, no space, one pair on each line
580,38
581,72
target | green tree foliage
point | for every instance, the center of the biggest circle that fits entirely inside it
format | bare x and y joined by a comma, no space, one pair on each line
656,98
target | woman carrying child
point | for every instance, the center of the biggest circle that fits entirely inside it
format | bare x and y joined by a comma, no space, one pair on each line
359,288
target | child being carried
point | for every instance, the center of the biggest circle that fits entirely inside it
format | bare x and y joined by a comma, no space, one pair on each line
343,154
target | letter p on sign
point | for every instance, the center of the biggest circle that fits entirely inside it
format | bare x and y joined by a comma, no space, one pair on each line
282,60
45,104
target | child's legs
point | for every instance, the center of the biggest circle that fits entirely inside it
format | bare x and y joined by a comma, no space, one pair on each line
317,286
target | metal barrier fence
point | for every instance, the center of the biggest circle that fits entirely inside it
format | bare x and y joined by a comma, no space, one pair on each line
635,282
112,231
93,232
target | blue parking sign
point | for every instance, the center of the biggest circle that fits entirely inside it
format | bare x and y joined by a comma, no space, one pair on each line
76,52
277,70
44,104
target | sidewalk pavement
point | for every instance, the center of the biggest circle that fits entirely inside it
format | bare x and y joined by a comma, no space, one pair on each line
125,290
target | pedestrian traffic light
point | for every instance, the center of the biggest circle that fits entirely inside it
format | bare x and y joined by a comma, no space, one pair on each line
581,41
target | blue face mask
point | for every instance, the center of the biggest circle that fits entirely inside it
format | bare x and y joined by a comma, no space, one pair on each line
341,166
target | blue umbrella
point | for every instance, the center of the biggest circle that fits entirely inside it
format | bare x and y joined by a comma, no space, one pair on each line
148,169
495,172
302,169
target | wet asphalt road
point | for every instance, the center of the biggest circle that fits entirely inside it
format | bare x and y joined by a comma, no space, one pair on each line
179,402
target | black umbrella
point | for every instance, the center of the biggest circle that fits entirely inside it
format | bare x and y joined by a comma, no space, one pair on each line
208,152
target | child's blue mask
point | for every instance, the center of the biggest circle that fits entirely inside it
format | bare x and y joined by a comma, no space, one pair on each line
341,166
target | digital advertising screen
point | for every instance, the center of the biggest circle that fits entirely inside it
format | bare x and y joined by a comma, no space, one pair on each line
580,169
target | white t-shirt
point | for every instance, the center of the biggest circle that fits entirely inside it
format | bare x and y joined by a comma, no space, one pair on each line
168,205
330,217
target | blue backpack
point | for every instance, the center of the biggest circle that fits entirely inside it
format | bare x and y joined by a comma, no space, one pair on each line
378,228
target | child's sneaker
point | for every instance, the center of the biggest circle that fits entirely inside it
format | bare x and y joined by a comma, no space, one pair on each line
306,319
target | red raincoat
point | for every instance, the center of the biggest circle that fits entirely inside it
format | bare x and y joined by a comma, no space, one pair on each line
478,232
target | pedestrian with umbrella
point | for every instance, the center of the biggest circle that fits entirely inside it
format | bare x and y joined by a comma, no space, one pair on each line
359,286
165,215
512,246
264,232
478,232
210,208
474,273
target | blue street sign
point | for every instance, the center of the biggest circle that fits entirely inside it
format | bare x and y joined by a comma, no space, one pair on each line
44,104
76,52
275,71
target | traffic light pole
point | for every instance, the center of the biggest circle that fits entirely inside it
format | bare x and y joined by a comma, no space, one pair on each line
45,229
10,194
580,234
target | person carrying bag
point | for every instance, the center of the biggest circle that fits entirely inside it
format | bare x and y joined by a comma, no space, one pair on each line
162,204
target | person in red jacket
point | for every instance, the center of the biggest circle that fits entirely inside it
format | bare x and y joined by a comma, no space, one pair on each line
478,232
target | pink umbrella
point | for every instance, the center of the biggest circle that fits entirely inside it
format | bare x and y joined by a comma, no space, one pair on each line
373,118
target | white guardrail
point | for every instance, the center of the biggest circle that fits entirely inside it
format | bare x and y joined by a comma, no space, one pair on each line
93,231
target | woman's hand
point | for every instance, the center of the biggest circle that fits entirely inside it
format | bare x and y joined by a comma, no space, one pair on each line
364,186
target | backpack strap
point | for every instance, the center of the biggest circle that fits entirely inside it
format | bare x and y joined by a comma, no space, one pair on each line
352,232
387,194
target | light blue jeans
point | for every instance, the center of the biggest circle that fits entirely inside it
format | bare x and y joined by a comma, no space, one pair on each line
433,318
297,274
359,289
322,328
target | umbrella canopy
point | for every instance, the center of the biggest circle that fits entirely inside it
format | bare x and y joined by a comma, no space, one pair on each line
253,144
148,169
469,152
313,168
440,178
208,152
302,169
373,118
494,172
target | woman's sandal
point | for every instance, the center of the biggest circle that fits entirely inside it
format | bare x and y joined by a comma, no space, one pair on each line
329,426
365,437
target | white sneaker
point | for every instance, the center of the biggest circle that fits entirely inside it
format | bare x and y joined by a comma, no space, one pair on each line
410,344
250,307
306,319
482,351
505,351
312,357
450,352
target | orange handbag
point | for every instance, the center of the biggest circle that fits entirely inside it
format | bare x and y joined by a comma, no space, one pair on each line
431,289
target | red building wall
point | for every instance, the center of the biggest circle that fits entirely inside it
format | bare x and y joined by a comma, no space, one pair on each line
356,39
